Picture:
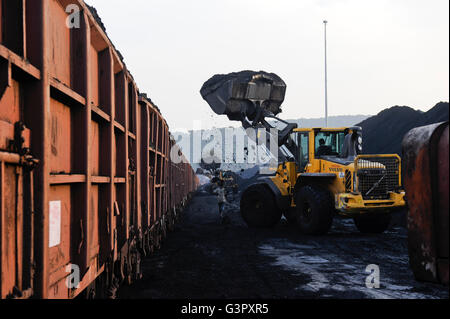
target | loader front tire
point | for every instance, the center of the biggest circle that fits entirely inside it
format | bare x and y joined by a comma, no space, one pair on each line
258,207
315,210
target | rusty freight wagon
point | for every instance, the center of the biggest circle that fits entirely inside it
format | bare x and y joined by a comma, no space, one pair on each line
425,171
87,187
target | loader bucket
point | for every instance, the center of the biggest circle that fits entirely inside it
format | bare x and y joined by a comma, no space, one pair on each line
235,94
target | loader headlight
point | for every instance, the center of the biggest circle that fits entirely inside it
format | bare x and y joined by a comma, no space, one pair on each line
360,145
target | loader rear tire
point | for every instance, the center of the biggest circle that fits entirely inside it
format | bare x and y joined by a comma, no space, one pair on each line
315,210
373,224
258,207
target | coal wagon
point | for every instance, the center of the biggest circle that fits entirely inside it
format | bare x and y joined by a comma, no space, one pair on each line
87,185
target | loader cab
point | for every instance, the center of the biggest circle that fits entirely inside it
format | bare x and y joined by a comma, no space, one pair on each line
340,145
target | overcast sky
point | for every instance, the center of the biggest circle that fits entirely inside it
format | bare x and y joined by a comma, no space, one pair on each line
381,53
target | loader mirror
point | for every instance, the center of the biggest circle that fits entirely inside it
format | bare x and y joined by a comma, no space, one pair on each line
352,145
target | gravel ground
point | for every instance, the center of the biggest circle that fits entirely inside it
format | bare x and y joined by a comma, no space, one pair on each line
203,259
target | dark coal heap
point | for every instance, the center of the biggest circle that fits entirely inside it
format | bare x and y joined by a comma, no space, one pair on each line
383,133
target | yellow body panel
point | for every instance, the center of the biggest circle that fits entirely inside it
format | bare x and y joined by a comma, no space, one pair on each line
285,178
283,187
353,204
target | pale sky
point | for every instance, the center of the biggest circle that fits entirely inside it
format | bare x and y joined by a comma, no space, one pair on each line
381,53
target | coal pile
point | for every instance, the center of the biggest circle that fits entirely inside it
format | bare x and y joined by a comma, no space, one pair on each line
383,133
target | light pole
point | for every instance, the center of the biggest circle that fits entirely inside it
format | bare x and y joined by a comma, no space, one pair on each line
326,76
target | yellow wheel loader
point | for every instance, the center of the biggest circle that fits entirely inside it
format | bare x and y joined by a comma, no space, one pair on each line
321,172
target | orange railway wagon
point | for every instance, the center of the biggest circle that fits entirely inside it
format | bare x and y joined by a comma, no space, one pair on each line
87,185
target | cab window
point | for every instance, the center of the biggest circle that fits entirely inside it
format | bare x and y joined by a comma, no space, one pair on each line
298,145
304,150
292,145
329,143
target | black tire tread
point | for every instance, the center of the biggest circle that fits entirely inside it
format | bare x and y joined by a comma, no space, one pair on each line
268,216
323,204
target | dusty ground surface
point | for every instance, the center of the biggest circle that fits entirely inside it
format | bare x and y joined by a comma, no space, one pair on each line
204,259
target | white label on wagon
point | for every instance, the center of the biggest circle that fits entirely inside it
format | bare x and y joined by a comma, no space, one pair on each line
55,224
